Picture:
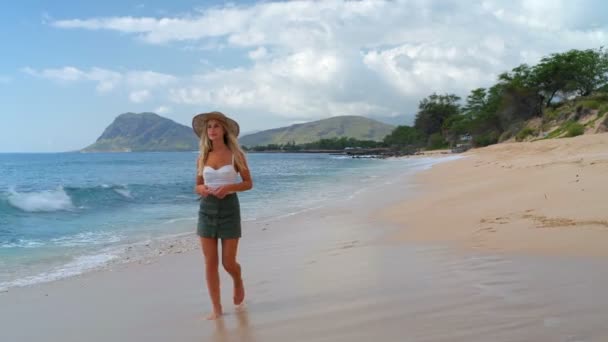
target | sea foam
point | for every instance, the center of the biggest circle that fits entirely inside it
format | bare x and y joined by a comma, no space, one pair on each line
49,200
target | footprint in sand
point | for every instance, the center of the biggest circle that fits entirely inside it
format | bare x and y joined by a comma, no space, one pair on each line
345,245
542,221
497,220
350,244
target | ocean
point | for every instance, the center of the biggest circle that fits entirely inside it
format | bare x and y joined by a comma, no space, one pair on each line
62,214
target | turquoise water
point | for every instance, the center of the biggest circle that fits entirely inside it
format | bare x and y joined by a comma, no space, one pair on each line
61,211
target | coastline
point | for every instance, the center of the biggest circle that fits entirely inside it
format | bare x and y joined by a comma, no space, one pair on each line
354,270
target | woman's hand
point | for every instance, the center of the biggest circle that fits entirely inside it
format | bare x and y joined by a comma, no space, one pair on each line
220,192
202,190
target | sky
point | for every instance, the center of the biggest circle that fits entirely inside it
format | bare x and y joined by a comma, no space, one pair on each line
68,68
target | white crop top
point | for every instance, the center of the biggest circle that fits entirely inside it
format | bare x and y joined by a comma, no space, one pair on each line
223,176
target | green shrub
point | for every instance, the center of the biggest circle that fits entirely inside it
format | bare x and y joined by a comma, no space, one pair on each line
485,139
551,114
592,104
600,96
561,129
436,142
524,133
506,135
555,133
573,129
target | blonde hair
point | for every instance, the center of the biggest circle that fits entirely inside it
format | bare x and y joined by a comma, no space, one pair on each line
231,141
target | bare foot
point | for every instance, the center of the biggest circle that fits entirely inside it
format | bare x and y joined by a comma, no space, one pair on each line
239,292
217,313
240,308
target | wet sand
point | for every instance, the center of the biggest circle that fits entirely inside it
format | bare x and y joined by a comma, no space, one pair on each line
342,273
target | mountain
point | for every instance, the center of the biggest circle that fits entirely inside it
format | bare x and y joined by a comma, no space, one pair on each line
399,120
144,132
357,127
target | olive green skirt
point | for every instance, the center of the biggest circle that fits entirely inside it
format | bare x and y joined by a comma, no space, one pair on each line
219,218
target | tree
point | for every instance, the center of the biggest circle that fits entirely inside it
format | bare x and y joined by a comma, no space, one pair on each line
575,72
592,67
519,95
455,126
433,111
521,76
404,136
476,102
552,75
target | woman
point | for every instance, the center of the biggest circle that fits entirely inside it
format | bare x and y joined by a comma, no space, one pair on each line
219,165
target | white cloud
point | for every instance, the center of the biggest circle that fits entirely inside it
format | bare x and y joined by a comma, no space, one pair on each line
549,15
161,30
148,79
258,53
412,69
302,85
63,74
106,80
139,96
162,110
312,59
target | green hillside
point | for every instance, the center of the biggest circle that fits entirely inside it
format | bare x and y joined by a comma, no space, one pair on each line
357,127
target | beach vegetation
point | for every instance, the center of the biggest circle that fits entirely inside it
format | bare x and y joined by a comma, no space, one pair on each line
591,104
332,144
561,88
574,129
551,114
436,142
404,136
524,133
591,123
504,136
482,140
547,99
433,111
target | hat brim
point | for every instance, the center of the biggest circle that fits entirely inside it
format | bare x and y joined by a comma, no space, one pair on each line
199,122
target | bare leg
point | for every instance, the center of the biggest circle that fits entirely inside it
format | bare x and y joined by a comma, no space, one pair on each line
229,251
212,274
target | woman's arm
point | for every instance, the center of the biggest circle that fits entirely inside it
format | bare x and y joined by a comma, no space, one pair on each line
244,185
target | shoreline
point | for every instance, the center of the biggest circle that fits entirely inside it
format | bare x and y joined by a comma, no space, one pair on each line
143,252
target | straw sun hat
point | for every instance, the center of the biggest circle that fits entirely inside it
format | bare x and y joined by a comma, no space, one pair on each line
199,122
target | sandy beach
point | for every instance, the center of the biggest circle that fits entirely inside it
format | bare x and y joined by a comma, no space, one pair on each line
507,243
543,197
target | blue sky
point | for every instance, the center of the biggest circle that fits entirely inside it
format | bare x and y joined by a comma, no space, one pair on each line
68,68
